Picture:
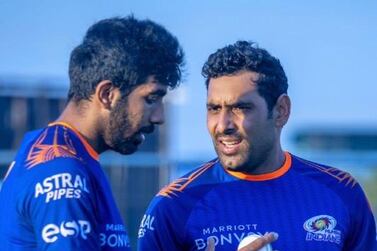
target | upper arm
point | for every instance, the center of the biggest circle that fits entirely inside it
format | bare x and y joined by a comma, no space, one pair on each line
363,232
161,227
60,205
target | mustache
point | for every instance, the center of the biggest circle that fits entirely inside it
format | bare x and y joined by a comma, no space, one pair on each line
228,135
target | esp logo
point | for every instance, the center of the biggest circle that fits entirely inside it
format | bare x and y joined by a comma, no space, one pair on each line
52,232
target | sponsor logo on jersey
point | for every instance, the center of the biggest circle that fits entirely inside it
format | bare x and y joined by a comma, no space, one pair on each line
114,236
76,229
226,235
322,228
145,225
62,185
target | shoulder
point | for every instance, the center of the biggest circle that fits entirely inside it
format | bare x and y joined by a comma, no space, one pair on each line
329,179
323,173
48,181
182,193
50,144
47,188
201,175
54,169
45,154
173,204
53,181
48,162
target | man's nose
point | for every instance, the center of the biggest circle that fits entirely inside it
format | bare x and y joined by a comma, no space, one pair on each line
158,115
226,123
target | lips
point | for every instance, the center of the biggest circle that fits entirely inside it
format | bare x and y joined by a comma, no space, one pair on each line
229,146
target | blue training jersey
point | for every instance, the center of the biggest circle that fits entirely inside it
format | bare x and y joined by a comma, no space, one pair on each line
56,197
312,207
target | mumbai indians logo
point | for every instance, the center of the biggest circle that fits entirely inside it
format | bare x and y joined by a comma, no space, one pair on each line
320,223
322,228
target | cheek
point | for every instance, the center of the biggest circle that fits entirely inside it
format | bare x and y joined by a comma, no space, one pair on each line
247,128
136,112
135,120
253,125
211,125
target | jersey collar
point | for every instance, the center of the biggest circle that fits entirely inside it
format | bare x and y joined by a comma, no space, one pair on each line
266,176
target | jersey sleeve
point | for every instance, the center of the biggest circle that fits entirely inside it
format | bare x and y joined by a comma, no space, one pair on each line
363,233
60,205
162,226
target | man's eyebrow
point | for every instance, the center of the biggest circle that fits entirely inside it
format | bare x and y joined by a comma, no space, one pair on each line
237,103
242,103
210,103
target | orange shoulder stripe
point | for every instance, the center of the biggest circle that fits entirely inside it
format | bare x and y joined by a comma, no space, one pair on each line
180,184
87,146
41,152
338,174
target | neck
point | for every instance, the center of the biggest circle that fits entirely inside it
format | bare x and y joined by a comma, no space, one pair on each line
269,162
273,162
79,116
263,176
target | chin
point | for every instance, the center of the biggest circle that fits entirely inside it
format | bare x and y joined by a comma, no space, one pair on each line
231,163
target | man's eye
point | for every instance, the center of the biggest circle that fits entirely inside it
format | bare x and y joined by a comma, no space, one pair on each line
213,108
241,108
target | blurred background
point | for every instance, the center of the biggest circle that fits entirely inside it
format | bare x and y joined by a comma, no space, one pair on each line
327,48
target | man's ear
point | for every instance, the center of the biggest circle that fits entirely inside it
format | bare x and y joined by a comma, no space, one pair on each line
282,110
106,94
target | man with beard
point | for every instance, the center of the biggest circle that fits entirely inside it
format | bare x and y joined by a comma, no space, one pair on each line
55,195
253,186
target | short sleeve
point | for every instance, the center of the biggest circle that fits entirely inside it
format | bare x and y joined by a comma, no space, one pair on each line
160,227
363,233
60,205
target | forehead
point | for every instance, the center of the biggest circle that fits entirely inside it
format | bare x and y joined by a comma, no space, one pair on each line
233,88
151,86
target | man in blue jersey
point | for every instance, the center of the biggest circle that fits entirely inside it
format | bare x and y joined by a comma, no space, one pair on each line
254,186
55,195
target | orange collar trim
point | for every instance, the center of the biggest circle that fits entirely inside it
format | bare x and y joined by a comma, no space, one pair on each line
87,146
266,176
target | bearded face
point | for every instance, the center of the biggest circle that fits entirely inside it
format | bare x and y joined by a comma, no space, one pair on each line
238,122
121,133
135,115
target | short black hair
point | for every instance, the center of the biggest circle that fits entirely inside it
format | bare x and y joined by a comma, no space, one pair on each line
125,51
247,56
